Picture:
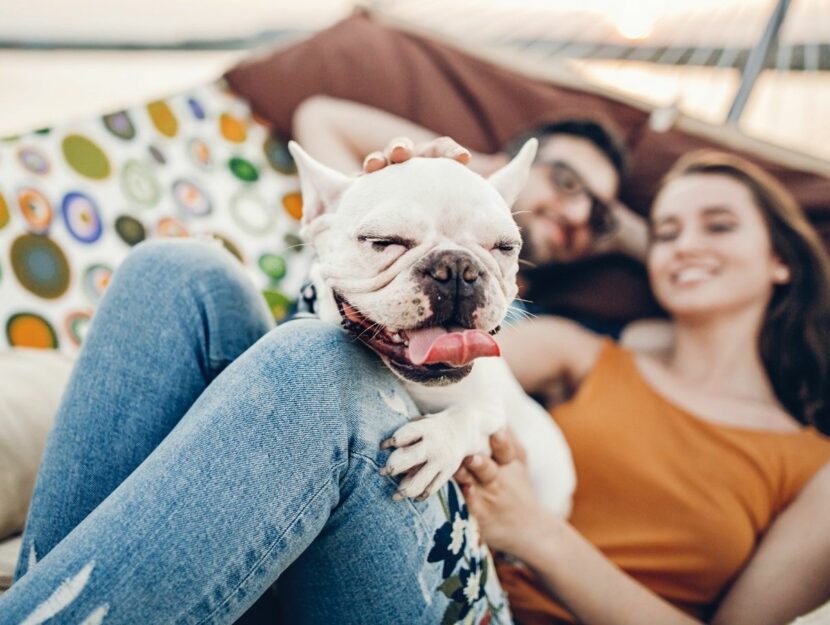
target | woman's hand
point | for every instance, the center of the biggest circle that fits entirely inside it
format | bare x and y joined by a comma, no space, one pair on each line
511,520
499,495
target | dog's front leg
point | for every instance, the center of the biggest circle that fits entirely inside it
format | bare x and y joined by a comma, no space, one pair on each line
430,450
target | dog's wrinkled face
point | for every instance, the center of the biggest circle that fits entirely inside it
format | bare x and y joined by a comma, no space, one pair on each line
419,260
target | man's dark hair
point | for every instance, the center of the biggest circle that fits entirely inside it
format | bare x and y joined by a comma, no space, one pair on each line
597,132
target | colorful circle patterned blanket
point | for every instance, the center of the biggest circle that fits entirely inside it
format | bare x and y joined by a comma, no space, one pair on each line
75,199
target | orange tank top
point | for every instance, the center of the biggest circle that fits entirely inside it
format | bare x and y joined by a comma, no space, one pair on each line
677,502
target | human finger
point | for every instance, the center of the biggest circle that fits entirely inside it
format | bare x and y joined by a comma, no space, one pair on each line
501,447
399,150
463,476
373,162
444,147
484,470
470,493
505,447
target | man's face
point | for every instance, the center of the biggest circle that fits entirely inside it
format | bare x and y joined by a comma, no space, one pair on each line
569,183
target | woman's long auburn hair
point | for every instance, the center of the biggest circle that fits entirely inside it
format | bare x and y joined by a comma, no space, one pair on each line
794,342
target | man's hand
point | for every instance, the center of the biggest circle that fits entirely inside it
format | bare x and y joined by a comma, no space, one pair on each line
632,234
402,149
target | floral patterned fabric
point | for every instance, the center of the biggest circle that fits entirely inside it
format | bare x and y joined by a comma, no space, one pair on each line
75,199
468,566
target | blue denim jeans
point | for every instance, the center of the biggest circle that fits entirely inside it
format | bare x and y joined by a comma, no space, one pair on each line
201,458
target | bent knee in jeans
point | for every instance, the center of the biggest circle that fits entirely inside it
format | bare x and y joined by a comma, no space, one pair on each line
422,559
352,385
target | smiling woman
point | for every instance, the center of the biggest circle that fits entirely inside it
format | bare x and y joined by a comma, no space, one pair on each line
701,469
719,216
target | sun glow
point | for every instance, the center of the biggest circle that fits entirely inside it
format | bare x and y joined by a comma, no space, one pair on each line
634,25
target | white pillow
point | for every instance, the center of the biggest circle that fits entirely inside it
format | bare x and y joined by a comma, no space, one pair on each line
31,384
9,553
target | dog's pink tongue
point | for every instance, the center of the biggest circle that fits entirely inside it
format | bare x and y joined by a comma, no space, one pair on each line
456,348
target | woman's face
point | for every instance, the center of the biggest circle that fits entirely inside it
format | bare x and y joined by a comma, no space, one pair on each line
711,251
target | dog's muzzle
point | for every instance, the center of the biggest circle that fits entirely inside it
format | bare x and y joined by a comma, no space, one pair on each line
454,282
432,354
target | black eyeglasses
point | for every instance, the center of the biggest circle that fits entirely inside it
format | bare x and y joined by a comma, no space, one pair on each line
570,184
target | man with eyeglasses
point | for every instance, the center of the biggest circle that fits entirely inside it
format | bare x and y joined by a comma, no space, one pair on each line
568,211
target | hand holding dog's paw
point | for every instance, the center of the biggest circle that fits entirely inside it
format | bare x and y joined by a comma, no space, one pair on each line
426,453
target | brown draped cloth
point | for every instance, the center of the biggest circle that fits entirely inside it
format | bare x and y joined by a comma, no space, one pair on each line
483,105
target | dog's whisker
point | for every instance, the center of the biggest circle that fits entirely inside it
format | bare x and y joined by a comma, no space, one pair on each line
521,313
356,336
511,323
523,319
378,330
375,327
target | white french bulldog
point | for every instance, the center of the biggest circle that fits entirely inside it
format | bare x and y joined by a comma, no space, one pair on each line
419,261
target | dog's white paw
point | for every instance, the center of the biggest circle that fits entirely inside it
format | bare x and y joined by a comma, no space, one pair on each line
428,452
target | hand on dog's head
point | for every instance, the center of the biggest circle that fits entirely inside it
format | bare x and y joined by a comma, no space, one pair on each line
418,259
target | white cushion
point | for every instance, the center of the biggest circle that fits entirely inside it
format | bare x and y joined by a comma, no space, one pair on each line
820,616
9,550
31,384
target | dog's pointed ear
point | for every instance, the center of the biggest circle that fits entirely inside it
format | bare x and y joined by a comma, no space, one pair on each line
510,179
321,186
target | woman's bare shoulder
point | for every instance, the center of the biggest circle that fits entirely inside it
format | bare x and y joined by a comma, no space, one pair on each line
541,349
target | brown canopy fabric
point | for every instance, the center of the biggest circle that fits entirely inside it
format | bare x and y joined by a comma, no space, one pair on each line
483,105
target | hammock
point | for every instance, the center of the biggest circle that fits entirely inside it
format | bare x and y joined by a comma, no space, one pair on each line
760,65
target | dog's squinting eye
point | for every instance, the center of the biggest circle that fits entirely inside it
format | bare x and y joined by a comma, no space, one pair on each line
379,244
506,247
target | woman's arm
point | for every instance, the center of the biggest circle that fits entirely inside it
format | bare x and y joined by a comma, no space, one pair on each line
574,571
341,133
789,574
590,585
544,348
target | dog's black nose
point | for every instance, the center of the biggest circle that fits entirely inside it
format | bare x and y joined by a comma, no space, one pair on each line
455,284
450,269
